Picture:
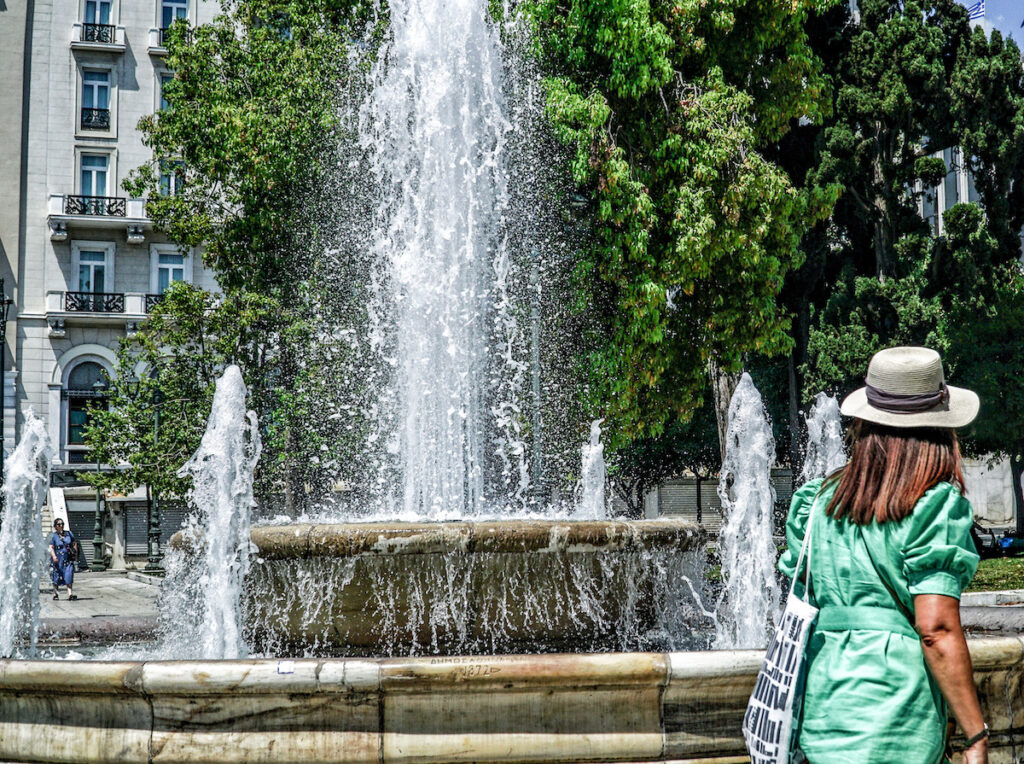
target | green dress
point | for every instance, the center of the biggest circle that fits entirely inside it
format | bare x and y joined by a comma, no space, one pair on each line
869,696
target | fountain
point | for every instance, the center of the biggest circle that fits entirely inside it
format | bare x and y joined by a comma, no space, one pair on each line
426,611
201,615
592,479
22,543
750,596
476,565
825,451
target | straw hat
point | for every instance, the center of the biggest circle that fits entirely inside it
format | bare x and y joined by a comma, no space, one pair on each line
906,387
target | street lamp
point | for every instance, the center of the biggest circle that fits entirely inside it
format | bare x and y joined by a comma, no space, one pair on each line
97,565
5,310
153,526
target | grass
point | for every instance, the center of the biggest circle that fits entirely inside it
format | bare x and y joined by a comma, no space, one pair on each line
998,573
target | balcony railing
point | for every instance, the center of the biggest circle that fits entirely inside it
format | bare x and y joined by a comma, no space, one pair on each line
152,300
99,33
165,35
95,119
94,302
103,206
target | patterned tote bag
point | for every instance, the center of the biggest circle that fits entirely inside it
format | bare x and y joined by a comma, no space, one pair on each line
772,718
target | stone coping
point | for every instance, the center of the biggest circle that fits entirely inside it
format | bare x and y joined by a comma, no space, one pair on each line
992,598
471,537
615,707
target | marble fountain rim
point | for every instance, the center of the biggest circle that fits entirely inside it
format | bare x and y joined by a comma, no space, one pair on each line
301,540
561,708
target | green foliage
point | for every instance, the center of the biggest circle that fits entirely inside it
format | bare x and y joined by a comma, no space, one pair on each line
253,117
913,79
668,108
254,121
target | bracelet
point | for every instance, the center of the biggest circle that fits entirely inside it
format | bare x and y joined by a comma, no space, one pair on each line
980,736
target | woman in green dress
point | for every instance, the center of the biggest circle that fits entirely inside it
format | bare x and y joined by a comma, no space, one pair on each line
891,553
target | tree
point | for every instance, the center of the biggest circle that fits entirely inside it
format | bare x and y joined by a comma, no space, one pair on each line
253,131
168,368
668,108
917,93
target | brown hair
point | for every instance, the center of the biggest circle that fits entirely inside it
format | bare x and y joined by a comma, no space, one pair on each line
890,468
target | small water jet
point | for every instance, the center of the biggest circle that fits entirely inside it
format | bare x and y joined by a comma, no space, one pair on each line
750,596
592,477
22,542
206,569
825,450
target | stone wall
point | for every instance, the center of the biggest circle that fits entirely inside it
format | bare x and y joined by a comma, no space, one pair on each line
990,491
625,707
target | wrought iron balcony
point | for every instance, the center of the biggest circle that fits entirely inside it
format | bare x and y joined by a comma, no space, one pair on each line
95,119
152,300
165,35
94,302
99,33
102,206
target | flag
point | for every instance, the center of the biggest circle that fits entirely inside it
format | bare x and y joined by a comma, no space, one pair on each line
976,11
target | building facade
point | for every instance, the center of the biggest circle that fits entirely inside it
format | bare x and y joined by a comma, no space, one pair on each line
81,261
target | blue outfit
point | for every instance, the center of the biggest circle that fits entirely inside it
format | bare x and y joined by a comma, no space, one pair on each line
64,568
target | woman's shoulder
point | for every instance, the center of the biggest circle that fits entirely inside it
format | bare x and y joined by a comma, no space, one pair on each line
941,500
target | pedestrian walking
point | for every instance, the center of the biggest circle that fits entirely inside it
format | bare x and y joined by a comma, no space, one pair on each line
887,660
63,553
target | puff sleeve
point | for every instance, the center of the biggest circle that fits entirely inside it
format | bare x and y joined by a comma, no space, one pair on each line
796,524
938,552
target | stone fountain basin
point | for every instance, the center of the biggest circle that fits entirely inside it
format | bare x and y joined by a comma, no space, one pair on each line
506,586
670,707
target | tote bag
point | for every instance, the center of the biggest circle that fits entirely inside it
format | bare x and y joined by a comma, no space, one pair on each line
772,715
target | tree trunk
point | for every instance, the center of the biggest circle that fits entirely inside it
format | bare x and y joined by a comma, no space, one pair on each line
1016,475
723,385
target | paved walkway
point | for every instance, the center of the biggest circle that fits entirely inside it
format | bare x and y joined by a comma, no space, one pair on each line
101,594
109,605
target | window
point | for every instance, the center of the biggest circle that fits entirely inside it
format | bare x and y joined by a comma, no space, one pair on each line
95,100
164,79
97,11
94,174
171,11
172,176
84,393
972,191
170,268
928,208
951,184
92,268
92,278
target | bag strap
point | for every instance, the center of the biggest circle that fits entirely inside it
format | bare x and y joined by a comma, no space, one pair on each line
806,550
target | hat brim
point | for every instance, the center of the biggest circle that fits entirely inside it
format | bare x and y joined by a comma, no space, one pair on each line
958,411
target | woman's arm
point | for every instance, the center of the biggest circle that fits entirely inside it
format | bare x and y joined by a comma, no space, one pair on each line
945,651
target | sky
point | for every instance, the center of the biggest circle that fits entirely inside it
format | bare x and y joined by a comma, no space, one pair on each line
1004,15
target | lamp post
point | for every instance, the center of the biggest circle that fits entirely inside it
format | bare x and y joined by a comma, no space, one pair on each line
539,492
5,309
97,565
153,526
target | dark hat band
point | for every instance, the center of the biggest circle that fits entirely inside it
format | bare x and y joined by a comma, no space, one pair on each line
911,403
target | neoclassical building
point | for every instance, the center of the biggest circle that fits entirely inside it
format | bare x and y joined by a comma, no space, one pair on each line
81,261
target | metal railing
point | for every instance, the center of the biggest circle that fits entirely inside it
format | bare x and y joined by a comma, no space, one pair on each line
106,206
99,33
152,300
165,35
94,302
95,119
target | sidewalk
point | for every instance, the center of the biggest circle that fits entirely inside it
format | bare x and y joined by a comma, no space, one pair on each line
109,606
